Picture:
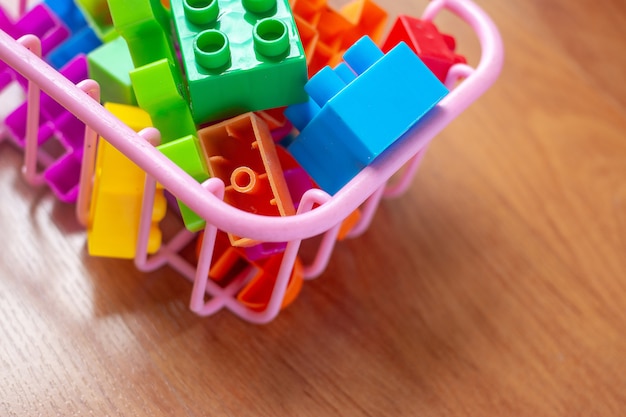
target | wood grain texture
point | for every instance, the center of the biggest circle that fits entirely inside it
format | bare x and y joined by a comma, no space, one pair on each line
495,287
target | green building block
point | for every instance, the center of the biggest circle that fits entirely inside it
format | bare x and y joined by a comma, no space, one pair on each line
145,25
109,65
157,88
239,56
99,18
187,154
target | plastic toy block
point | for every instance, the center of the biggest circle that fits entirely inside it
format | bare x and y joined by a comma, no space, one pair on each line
264,250
98,16
69,14
256,294
241,152
186,153
239,56
157,89
308,36
332,26
43,23
434,48
230,263
309,10
63,176
327,32
56,122
299,182
110,65
367,18
81,42
117,195
359,109
54,119
145,26
276,121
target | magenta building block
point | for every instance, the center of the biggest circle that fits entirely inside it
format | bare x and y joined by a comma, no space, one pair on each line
43,23
39,21
51,112
56,122
63,176
264,250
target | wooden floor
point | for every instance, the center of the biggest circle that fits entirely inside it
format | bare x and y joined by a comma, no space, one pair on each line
495,287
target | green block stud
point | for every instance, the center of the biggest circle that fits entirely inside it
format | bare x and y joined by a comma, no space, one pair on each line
98,16
145,25
239,56
109,65
187,154
158,91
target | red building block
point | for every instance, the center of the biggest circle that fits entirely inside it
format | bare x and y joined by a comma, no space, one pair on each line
434,48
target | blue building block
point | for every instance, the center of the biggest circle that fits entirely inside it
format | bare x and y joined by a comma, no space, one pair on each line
239,56
359,109
81,42
69,13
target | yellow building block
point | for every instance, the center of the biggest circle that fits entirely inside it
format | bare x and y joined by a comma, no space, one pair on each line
115,210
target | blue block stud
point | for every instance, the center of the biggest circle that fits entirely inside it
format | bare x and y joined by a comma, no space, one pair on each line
359,109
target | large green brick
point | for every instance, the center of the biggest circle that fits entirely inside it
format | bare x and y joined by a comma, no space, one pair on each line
98,16
239,56
157,88
145,25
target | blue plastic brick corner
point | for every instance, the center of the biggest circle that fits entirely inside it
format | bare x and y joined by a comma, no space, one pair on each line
69,13
359,109
81,42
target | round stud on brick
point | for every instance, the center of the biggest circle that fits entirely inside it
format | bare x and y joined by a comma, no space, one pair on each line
201,12
245,180
271,37
258,6
211,49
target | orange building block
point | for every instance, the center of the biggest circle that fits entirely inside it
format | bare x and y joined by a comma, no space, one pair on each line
367,18
230,262
326,33
240,151
257,293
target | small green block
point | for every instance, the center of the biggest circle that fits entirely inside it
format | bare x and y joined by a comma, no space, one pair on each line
187,154
145,26
109,65
239,56
157,89
99,18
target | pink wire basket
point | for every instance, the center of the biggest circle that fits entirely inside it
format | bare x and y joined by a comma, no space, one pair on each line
318,213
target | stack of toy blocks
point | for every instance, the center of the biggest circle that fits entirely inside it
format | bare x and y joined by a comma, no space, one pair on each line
214,77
